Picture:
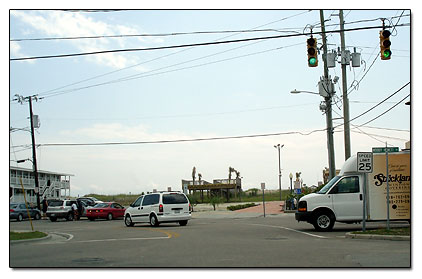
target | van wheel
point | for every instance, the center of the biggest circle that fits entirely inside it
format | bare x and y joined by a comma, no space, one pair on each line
323,221
128,221
153,221
110,217
183,223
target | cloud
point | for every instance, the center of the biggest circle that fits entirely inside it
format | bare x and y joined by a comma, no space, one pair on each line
65,24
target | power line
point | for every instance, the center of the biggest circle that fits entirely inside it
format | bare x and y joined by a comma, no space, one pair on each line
401,88
171,54
181,140
193,45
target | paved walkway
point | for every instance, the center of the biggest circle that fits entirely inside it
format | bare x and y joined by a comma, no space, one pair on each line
272,208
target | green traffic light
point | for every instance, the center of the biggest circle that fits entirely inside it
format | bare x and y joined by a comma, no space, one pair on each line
312,61
386,53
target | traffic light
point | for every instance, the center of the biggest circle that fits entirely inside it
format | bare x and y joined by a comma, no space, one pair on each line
385,44
312,52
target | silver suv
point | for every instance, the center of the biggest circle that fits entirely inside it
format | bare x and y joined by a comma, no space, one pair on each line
156,208
60,209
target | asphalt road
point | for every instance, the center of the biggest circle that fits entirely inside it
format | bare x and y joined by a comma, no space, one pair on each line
211,239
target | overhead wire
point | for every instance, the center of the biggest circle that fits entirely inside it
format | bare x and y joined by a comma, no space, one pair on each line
189,45
175,53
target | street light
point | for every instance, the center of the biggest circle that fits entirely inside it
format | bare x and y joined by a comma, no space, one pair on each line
326,90
300,91
279,167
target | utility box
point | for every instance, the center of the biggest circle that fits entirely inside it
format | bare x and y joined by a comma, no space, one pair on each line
355,59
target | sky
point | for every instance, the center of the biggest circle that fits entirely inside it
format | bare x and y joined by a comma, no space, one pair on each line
198,92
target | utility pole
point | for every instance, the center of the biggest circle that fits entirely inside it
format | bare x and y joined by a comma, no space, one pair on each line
328,102
345,97
34,154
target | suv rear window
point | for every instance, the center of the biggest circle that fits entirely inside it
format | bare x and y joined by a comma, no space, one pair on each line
174,199
55,203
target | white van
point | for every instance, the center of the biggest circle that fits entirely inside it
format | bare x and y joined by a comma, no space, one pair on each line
341,199
156,208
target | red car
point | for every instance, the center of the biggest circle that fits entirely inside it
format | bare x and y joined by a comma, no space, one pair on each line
105,210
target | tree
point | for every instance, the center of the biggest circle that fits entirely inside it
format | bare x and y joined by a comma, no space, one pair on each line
215,200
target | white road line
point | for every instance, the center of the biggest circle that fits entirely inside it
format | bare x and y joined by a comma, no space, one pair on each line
289,229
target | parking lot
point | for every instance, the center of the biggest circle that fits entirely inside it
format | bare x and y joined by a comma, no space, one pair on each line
211,239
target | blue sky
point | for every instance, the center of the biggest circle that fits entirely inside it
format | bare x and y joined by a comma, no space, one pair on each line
211,91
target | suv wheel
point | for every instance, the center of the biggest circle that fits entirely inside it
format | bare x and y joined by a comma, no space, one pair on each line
53,219
128,221
37,216
69,217
20,217
153,221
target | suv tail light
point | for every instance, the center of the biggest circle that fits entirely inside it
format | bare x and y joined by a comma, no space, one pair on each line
161,208
12,210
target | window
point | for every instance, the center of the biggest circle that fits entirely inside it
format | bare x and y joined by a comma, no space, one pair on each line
174,199
118,206
101,205
151,199
329,185
138,202
347,185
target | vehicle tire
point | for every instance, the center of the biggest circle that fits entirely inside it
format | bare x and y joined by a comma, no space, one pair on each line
323,221
153,221
53,219
69,217
91,219
20,218
183,223
128,221
110,217
37,216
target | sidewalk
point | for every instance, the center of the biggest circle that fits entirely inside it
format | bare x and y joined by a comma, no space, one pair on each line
272,208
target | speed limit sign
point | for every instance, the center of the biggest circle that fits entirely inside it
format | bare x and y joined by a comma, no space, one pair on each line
364,162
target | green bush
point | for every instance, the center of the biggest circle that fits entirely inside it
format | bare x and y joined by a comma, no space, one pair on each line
240,206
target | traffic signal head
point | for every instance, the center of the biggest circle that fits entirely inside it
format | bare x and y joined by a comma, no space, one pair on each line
312,52
385,44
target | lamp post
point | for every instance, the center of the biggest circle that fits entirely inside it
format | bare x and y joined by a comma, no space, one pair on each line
326,90
278,146
291,183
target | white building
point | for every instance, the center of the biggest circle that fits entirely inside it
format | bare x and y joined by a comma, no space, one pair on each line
52,185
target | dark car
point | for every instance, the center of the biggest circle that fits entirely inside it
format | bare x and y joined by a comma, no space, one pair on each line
105,210
19,212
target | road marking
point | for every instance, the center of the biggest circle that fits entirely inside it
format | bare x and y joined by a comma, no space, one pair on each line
169,234
290,229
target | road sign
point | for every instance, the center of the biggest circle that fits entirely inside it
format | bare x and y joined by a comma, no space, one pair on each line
364,163
298,191
383,149
262,186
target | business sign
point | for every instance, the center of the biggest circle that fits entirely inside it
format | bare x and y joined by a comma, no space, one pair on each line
398,184
364,162
262,186
297,184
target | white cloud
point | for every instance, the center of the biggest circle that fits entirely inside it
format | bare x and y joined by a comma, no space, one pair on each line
64,24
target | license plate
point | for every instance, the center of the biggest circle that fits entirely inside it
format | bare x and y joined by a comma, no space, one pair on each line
177,211
53,215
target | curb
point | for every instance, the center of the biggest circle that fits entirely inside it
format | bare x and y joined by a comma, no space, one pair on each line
48,236
378,237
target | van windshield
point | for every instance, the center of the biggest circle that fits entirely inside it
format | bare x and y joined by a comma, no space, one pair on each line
328,185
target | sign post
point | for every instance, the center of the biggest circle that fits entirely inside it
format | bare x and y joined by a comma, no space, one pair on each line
263,196
365,166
